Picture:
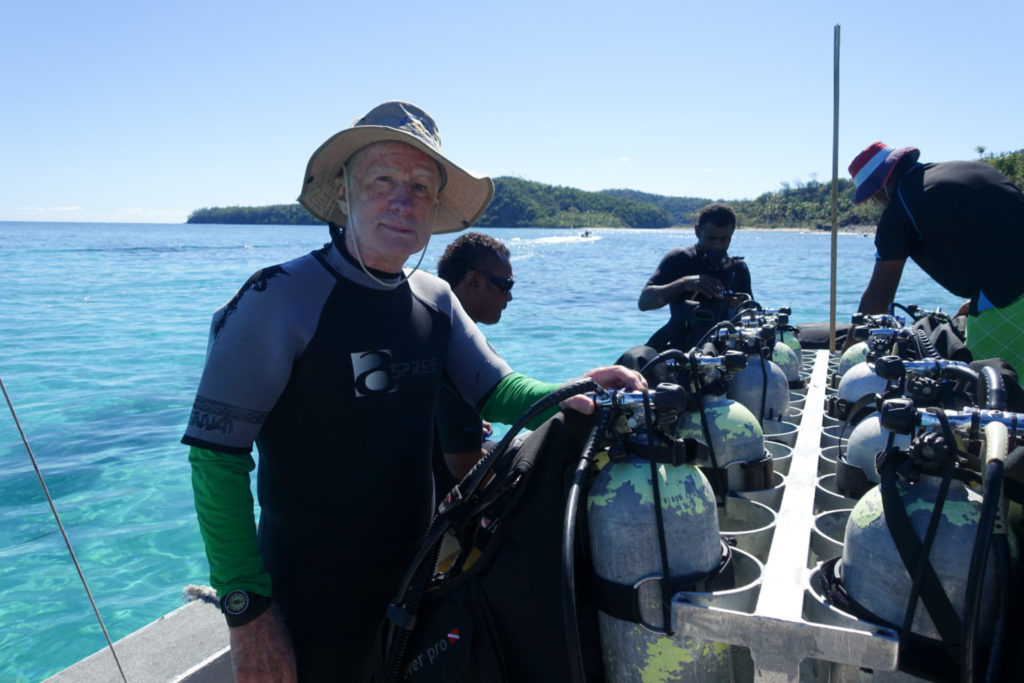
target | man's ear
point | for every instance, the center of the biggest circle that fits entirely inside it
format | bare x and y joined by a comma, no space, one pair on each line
696,231
473,279
342,204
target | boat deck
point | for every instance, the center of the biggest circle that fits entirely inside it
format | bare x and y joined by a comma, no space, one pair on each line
188,645
789,631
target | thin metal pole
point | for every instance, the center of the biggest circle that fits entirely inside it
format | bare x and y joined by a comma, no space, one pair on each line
60,525
835,193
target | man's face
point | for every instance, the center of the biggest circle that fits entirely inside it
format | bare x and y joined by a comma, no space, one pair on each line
711,237
394,188
484,295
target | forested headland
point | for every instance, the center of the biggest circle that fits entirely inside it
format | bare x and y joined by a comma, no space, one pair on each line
523,203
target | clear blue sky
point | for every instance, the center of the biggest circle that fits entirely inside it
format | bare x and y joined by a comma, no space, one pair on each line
146,110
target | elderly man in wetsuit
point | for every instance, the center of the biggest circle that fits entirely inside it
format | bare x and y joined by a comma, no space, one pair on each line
700,283
332,363
963,223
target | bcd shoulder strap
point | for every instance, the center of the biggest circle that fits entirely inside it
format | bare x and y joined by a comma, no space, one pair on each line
914,553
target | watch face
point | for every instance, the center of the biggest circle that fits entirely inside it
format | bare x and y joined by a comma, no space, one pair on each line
236,602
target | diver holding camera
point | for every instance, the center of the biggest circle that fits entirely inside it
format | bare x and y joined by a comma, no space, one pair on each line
702,284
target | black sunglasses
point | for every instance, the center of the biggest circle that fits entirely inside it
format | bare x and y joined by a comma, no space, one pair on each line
505,284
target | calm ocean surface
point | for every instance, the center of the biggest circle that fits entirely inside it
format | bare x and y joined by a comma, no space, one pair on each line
104,330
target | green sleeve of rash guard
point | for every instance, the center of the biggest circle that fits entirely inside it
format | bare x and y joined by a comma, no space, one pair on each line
224,506
513,396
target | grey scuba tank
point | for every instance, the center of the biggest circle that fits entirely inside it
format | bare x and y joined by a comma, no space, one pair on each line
864,443
787,359
908,548
859,381
873,574
788,337
625,549
733,442
858,353
760,386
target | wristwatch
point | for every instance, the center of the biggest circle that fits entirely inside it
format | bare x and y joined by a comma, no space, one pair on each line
241,607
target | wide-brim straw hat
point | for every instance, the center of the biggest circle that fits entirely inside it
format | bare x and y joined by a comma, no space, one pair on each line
462,199
871,168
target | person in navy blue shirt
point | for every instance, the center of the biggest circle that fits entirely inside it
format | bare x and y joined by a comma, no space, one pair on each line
962,222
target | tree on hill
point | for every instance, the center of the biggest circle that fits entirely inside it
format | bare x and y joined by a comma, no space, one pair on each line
681,210
524,203
277,214
805,205
1010,164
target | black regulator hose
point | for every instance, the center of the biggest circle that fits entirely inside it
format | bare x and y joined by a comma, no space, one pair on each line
572,629
992,388
960,373
478,474
725,324
747,305
719,473
405,608
963,376
894,306
990,504
403,614
1003,569
764,387
925,347
667,354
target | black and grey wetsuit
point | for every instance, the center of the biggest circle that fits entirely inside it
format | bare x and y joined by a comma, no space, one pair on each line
335,379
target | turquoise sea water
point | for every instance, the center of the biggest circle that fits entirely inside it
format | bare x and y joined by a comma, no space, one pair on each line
104,330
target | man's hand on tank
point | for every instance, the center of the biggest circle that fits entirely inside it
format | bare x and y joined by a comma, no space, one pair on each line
609,377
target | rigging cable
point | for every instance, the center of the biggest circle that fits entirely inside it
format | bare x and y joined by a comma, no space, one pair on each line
60,525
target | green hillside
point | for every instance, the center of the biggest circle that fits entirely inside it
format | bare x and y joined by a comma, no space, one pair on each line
523,203
277,214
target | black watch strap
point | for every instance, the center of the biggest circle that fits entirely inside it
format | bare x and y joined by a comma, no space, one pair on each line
241,607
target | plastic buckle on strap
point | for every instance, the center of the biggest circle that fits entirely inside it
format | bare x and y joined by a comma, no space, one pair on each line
639,618
851,480
684,451
837,407
617,452
757,474
622,600
451,501
401,617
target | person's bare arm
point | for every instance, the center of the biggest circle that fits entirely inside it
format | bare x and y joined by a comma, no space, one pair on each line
656,296
261,651
459,464
881,289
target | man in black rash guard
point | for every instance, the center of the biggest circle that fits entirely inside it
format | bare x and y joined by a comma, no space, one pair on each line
962,222
332,363
694,281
